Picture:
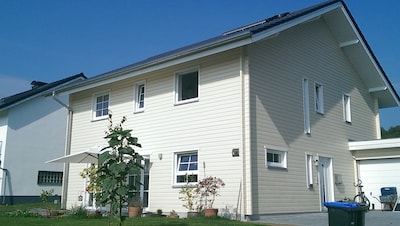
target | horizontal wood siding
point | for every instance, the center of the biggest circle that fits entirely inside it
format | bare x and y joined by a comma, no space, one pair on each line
277,68
211,125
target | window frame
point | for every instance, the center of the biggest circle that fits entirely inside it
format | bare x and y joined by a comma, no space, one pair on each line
178,86
138,95
283,154
306,107
346,98
53,178
309,169
177,172
319,97
94,105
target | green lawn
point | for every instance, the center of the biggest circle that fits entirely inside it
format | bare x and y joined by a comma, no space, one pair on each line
20,217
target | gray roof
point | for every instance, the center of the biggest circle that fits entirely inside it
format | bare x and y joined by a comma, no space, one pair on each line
249,31
38,88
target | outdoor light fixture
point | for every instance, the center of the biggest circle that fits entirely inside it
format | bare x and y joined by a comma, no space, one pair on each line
80,198
235,152
159,156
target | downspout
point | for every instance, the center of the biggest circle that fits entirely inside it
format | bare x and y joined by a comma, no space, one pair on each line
66,152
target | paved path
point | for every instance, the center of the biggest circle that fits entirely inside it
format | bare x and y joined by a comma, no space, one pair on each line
372,218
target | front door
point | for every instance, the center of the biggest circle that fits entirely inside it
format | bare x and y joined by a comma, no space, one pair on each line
325,174
141,182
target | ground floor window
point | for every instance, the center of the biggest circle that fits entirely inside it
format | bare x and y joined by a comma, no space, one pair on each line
186,169
275,158
49,178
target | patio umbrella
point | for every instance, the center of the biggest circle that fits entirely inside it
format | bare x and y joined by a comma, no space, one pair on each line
89,155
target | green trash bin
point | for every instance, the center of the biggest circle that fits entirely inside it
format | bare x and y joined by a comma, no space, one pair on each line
346,213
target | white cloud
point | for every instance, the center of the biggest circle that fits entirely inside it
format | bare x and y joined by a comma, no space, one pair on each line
12,85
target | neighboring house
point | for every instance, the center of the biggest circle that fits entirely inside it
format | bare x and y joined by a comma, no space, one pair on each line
32,131
269,108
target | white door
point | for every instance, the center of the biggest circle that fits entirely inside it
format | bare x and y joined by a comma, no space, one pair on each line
325,175
379,173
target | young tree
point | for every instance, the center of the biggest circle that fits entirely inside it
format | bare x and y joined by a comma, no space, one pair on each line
116,165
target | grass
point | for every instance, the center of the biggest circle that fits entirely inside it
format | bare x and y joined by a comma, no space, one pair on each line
20,216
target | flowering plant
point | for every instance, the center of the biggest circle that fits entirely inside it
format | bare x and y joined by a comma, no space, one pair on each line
208,189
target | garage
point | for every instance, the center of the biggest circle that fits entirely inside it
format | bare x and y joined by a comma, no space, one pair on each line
378,165
379,173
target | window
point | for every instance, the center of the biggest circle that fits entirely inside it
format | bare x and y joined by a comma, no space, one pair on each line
139,97
319,98
346,108
49,178
186,169
309,170
187,86
275,158
140,182
306,107
101,104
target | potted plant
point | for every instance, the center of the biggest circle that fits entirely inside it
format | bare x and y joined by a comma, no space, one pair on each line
135,207
208,189
191,199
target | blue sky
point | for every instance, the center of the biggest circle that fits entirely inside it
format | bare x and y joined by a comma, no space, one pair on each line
48,40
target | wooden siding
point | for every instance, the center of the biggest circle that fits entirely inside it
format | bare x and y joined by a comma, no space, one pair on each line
211,125
277,67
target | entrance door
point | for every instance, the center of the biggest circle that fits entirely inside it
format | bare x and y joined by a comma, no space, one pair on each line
141,182
325,174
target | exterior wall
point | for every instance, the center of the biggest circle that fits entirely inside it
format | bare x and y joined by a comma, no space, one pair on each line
211,125
277,68
36,133
3,139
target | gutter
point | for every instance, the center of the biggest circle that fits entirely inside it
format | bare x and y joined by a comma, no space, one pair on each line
67,151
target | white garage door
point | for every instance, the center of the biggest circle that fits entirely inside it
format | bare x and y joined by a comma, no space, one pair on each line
379,173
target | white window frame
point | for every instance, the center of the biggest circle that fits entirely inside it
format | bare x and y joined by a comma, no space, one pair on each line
282,154
178,86
347,108
319,97
140,97
94,105
306,107
177,172
309,170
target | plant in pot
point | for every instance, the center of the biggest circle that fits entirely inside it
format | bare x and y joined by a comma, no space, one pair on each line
135,207
191,199
173,214
208,189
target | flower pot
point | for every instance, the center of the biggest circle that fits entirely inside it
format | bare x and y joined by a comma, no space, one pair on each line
211,212
134,211
193,214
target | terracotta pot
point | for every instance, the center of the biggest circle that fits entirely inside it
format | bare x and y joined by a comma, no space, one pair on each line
212,212
193,214
134,211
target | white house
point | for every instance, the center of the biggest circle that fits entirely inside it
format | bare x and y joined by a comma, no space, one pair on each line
269,107
32,130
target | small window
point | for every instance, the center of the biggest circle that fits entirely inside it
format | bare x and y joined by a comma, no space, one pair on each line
309,170
139,96
186,169
319,98
187,87
306,107
346,108
101,104
49,178
275,158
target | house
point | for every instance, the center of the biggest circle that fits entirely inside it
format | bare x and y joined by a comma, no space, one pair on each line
269,107
32,130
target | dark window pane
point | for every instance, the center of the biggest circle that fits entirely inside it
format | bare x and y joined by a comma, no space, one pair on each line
193,166
185,159
183,167
189,85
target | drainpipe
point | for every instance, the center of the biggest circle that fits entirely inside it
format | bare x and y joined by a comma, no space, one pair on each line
5,176
66,152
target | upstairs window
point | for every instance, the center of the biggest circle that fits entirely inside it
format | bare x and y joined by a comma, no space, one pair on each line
139,96
319,98
186,169
187,86
306,107
101,104
346,108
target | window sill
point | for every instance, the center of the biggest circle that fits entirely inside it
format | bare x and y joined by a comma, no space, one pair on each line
186,101
192,185
99,118
138,111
